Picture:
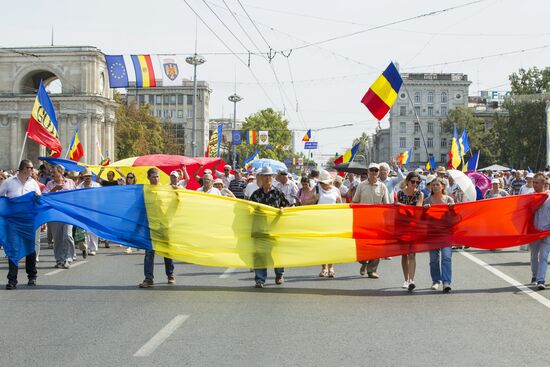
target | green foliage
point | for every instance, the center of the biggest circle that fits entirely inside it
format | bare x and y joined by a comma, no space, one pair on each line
532,81
278,134
138,133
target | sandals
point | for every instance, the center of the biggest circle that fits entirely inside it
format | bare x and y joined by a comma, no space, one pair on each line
324,273
331,274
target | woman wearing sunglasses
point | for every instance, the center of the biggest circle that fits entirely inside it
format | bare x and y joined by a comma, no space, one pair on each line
410,195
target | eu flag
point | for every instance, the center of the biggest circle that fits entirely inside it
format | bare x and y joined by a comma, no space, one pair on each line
237,138
118,74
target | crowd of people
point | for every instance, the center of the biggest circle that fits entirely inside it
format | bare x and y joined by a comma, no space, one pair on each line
379,183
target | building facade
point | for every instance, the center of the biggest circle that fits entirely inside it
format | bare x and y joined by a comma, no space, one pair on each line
432,96
82,99
174,105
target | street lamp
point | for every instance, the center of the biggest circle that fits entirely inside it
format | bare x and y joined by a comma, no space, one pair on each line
194,60
235,98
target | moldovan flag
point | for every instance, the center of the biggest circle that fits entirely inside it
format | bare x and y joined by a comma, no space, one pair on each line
383,92
307,137
43,127
404,158
145,73
76,150
251,136
347,156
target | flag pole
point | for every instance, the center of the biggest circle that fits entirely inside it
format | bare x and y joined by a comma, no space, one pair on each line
72,141
23,149
417,120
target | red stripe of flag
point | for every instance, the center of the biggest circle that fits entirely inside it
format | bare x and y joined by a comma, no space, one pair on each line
151,71
375,105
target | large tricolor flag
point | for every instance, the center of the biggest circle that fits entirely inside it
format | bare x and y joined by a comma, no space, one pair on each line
383,92
347,156
404,158
76,150
251,136
145,73
43,127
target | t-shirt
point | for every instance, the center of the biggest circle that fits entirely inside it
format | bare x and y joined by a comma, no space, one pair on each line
489,194
13,187
329,196
94,184
368,193
237,188
67,185
213,191
526,190
516,185
446,198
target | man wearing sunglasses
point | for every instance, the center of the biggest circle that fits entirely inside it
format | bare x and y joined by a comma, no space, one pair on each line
20,184
371,191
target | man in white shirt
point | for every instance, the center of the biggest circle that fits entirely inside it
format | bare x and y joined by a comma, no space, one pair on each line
20,184
286,186
226,175
528,187
207,187
251,187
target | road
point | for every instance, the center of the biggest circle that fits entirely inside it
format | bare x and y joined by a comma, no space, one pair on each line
95,315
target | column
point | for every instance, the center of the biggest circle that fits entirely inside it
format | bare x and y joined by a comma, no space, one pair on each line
16,142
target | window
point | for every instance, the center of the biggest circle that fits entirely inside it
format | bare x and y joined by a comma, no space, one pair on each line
165,99
416,127
172,99
430,97
417,157
403,127
417,110
141,99
443,143
443,110
402,110
417,97
180,98
158,113
430,111
166,113
443,158
443,97
430,127
158,99
416,143
402,142
151,99
172,114
190,113
430,142
190,99
180,114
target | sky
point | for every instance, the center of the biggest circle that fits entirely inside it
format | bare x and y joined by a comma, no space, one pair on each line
317,84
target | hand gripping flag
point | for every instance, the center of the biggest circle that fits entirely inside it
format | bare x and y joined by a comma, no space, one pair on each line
383,92
347,156
43,127
76,150
307,137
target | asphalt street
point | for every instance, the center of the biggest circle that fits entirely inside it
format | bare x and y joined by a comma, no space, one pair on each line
94,314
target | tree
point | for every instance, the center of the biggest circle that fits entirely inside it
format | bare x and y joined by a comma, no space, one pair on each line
479,137
279,135
138,133
532,81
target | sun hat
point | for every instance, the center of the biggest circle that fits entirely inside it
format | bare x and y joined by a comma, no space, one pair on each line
217,181
86,172
374,165
429,179
441,169
324,177
265,171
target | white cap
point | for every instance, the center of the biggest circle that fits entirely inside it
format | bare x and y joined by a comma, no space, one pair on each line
429,179
495,181
374,165
227,166
175,173
530,175
418,170
217,181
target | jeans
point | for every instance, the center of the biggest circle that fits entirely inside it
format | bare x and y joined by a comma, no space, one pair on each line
149,265
30,267
539,258
261,274
441,271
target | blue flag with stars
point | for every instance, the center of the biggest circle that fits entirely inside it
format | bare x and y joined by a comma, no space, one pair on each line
118,74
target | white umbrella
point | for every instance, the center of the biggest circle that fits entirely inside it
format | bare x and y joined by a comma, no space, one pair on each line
495,167
465,184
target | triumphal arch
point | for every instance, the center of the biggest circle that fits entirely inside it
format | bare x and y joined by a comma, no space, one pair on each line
76,78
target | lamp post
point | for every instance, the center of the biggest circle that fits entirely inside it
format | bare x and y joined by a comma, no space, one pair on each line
194,60
234,98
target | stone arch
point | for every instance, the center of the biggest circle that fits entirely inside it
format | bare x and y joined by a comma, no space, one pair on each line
28,79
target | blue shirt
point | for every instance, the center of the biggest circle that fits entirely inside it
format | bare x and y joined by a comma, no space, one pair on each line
391,182
542,216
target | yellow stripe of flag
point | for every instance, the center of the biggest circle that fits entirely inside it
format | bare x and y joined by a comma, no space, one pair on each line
383,89
144,71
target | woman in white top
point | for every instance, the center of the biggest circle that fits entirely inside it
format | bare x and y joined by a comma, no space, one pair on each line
328,194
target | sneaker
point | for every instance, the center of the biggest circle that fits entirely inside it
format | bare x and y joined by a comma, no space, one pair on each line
92,253
259,285
147,283
107,245
446,287
405,284
128,250
533,280
66,265
31,283
58,265
411,286
435,286
10,286
279,280
541,286
373,275
84,253
171,279
363,269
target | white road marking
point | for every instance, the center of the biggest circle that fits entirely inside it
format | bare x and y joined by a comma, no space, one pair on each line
161,336
528,291
57,271
227,273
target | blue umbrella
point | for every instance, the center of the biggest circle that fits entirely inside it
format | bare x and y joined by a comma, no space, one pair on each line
265,162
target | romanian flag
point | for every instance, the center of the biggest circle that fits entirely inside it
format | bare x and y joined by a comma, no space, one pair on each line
383,92
43,127
76,150
307,137
404,158
251,137
248,161
347,156
145,73
178,224
430,165
455,156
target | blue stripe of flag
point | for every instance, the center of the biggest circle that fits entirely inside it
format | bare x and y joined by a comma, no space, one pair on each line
137,68
393,77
